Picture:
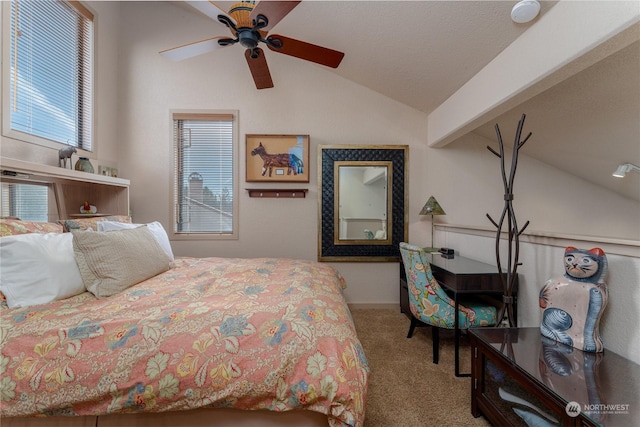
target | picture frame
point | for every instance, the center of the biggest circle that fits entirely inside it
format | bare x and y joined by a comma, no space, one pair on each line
104,170
277,158
107,171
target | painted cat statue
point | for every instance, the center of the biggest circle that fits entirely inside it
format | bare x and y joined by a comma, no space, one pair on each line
572,305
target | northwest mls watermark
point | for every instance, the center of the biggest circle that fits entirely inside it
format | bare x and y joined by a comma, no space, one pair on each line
573,409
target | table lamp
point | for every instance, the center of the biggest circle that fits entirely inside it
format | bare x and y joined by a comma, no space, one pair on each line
432,207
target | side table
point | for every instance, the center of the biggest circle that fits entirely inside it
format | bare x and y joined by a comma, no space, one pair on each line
520,378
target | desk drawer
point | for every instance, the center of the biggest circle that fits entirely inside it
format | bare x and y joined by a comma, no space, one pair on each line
468,282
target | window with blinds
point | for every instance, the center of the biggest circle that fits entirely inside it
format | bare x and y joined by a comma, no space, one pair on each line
50,82
205,175
28,202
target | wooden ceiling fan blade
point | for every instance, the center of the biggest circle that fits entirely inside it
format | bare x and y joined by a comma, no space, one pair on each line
273,10
259,68
192,49
210,9
307,51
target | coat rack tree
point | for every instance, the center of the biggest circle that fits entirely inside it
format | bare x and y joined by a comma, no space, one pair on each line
513,242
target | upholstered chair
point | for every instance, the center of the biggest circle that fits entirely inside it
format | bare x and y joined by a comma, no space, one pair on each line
430,304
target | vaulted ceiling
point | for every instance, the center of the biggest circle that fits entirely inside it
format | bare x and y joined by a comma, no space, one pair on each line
419,53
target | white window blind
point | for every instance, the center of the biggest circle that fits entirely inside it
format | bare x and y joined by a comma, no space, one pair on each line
204,173
25,201
51,55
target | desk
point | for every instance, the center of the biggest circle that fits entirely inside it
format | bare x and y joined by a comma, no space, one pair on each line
517,373
459,277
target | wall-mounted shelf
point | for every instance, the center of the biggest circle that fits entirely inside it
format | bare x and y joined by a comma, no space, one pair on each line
287,193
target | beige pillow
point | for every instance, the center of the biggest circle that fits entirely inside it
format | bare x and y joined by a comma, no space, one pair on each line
110,262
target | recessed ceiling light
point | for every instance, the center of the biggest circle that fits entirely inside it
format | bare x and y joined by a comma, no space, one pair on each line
525,11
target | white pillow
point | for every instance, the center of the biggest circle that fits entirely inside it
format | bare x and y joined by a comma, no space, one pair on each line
38,268
155,227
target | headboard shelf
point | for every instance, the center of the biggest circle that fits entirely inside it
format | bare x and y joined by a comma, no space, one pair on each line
70,188
39,171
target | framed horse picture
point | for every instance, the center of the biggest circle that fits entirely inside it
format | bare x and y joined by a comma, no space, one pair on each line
277,158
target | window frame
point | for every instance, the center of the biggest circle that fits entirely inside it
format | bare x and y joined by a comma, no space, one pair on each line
199,236
5,76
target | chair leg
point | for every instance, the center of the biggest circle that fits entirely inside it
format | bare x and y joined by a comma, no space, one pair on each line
414,323
435,337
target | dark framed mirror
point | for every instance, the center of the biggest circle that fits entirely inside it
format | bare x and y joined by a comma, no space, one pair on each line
362,196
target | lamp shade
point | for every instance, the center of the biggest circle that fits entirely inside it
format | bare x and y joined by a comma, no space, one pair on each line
432,207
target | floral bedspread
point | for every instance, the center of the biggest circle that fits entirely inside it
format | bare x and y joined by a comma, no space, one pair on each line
263,333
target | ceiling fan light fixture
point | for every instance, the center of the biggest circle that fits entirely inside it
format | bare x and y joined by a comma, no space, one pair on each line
248,39
525,11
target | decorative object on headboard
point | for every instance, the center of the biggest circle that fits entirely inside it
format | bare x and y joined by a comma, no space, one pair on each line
88,208
572,305
64,154
509,282
83,164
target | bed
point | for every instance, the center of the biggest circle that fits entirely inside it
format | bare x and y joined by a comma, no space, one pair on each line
207,337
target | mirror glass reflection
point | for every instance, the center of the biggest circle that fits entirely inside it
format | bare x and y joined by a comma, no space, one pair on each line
363,202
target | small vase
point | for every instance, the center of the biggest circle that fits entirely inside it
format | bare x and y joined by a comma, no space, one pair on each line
83,164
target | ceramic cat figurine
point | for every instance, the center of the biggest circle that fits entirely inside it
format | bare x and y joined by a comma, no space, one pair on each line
572,305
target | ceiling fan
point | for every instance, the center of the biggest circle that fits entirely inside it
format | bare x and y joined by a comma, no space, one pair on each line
249,24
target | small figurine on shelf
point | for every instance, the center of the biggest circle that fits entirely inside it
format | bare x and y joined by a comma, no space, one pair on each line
64,154
88,208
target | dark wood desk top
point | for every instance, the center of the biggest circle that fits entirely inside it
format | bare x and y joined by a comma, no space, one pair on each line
460,265
611,382
465,275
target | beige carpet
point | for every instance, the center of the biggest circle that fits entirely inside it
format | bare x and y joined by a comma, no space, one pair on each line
405,388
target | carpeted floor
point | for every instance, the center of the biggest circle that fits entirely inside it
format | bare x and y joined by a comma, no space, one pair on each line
405,387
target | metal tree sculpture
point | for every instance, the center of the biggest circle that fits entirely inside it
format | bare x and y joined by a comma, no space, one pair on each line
509,282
